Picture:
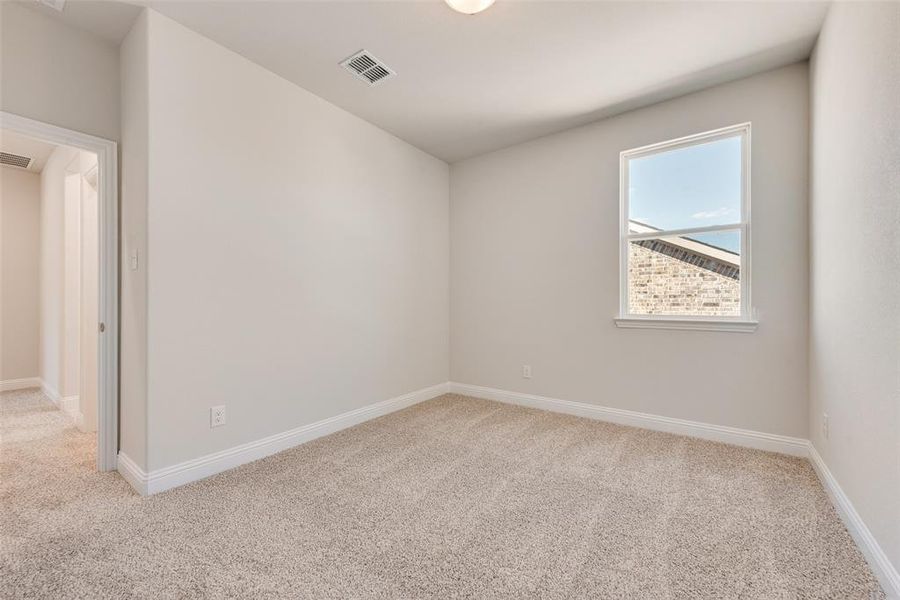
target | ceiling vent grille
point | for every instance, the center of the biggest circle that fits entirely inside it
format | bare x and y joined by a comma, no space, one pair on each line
367,67
14,160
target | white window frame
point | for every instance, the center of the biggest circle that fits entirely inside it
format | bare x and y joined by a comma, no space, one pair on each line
746,321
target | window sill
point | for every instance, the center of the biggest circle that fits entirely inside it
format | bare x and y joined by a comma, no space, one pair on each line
686,324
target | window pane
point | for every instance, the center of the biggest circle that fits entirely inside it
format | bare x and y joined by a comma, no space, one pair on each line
696,275
716,242
694,186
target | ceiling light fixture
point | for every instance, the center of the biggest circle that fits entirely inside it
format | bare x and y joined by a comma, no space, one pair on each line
469,7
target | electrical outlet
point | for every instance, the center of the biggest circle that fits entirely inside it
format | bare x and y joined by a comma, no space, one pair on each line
825,425
216,416
526,371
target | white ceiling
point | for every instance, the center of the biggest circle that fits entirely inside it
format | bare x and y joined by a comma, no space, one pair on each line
36,150
470,84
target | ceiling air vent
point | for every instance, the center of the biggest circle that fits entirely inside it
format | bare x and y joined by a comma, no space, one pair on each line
367,67
14,160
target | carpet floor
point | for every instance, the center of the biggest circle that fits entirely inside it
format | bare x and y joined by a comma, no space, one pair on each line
452,498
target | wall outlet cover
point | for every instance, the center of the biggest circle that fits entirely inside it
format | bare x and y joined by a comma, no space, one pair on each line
217,416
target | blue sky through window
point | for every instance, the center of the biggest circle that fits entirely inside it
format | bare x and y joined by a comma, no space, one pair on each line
727,240
695,186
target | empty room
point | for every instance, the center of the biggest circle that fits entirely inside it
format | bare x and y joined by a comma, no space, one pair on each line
450,299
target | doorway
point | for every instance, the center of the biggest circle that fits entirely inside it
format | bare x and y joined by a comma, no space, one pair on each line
76,366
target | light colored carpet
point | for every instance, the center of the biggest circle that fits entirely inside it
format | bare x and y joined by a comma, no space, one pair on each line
452,498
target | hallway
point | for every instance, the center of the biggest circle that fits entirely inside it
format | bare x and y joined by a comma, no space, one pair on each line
55,502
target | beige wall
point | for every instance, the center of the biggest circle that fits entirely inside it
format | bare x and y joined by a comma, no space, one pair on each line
20,222
535,269
297,256
855,268
57,74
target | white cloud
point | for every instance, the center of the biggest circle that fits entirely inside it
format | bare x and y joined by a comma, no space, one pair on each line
713,214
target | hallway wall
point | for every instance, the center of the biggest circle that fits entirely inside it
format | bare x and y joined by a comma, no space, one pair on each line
67,341
90,295
20,218
52,269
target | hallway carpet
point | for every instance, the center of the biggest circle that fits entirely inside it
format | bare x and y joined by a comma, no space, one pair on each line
452,498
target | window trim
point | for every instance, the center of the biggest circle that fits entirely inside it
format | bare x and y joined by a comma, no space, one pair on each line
746,322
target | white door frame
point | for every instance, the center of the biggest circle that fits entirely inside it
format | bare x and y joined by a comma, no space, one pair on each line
108,209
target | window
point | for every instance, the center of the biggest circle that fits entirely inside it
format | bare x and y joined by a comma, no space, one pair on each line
685,233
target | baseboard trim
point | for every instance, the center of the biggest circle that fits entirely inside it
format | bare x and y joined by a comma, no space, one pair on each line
51,393
886,573
72,407
718,433
132,473
200,468
67,404
24,383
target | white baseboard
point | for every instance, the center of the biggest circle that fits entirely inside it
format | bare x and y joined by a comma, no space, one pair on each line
50,392
885,572
67,404
132,473
211,464
718,433
24,383
71,406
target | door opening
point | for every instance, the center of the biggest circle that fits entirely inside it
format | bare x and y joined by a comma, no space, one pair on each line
74,361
